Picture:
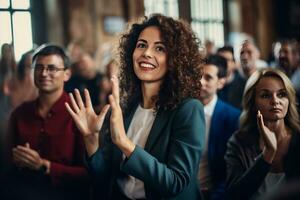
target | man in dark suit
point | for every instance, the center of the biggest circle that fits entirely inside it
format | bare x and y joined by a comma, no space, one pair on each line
221,121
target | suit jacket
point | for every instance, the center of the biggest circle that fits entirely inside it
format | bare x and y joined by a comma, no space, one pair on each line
232,92
247,169
169,163
224,123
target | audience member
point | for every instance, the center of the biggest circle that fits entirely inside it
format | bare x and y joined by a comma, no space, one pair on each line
85,76
265,151
158,158
21,87
7,69
105,84
221,121
209,47
249,56
7,62
47,148
233,79
289,58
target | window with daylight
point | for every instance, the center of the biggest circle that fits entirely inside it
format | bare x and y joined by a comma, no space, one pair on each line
208,20
166,7
16,29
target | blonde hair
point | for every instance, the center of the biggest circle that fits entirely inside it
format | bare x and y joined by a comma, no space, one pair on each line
248,116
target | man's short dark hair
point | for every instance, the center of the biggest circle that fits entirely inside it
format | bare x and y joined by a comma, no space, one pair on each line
49,49
220,63
227,48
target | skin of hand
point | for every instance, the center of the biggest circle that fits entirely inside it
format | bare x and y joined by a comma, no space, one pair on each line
117,129
268,138
24,156
86,120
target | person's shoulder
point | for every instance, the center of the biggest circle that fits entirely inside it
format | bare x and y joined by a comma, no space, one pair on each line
24,109
190,102
189,107
229,107
235,138
25,106
244,139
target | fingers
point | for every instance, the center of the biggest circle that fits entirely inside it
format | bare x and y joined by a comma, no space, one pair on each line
69,109
74,104
88,101
26,150
260,120
21,156
78,103
115,88
79,99
261,126
112,102
24,158
103,112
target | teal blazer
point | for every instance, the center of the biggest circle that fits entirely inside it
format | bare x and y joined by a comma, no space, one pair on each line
168,165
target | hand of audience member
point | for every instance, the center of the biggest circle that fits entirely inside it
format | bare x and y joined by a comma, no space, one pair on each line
87,121
269,139
117,129
24,156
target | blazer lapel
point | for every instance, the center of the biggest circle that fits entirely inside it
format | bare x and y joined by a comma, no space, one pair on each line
214,130
129,117
161,119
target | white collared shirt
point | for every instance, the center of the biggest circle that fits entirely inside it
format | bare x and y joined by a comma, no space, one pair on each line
138,133
204,174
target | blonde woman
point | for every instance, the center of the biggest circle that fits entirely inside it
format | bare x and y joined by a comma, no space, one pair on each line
265,151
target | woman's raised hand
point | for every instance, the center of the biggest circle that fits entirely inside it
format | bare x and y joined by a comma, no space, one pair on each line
269,139
117,129
87,121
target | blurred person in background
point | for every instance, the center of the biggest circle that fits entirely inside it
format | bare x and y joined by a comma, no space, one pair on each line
85,76
45,146
7,60
249,58
111,68
289,61
210,47
22,86
7,69
233,79
75,50
221,120
264,152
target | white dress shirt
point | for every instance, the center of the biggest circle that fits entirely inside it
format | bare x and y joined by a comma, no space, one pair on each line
204,174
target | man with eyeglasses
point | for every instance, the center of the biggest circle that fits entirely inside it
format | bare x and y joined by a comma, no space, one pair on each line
47,148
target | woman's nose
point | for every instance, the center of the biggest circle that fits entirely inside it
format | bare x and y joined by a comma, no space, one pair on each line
274,100
147,53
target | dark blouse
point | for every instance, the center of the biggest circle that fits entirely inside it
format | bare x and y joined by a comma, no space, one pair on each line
246,168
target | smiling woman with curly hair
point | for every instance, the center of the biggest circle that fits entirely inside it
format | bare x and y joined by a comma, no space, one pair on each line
184,63
154,152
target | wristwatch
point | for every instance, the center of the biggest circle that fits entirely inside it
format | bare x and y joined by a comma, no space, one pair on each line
42,169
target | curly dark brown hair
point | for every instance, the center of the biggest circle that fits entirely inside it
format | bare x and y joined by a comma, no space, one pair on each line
184,63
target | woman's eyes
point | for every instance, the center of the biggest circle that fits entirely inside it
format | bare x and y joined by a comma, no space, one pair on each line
279,95
282,94
265,95
140,45
157,48
161,48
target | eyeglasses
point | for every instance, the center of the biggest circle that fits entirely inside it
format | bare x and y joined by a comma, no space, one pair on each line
49,69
